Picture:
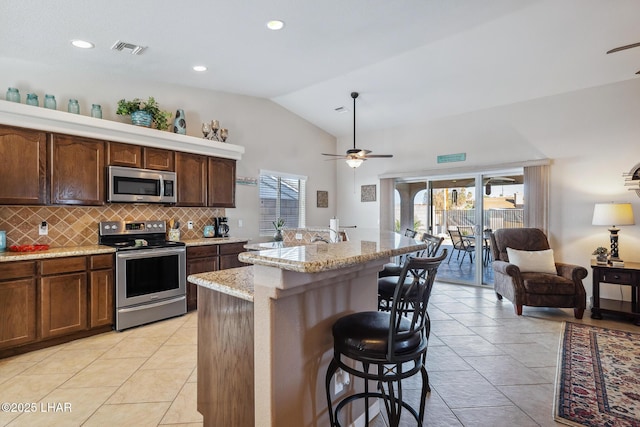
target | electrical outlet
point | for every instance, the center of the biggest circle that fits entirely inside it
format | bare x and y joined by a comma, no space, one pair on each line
43,229
190,225
239,223
340,379
298,236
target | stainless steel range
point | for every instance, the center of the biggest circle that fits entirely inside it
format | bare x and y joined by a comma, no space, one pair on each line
150,272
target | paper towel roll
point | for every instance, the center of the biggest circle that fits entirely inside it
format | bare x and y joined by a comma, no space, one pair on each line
333,230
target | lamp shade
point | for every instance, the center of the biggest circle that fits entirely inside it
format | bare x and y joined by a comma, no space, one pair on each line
613,214
354,163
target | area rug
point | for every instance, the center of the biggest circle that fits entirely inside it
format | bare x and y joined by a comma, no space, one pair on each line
598,378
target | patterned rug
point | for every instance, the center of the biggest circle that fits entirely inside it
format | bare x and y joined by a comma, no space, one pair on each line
598,379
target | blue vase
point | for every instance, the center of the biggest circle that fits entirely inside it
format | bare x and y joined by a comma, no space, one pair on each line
32,99
141,118
180,124
50,102
73,106
13,95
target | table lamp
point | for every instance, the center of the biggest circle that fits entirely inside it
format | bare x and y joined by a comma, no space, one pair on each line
613,214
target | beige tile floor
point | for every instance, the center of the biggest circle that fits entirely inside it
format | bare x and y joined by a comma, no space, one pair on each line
487,367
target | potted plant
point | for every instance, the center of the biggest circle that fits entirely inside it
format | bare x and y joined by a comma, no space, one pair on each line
144,113
278,225
601,254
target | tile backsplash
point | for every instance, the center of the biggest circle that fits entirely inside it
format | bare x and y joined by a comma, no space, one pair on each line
78,225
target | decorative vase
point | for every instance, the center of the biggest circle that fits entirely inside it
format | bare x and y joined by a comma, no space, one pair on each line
73,106
180,124
13,94
96,111
601,259
141,118
50,102
32,99
278,236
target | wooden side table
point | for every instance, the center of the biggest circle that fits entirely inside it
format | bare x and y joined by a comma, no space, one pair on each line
629,275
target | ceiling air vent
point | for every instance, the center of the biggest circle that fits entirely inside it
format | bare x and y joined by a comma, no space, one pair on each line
135,49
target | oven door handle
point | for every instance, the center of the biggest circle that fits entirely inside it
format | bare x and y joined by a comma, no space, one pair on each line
147,306
146,253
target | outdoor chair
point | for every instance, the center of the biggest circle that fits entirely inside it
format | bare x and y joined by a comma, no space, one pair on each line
527,274
461,244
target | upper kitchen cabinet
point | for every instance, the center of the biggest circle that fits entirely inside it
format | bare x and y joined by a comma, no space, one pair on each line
127,155
158,159
222,183
76,170
191,171
23,162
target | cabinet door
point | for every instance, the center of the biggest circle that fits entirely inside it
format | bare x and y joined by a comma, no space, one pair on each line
77,171
194,266
23,162
191,170
158,159
63,304
222,183
127,155
101,298
17,312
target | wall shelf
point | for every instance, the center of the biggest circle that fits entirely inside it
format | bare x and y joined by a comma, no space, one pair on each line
31,117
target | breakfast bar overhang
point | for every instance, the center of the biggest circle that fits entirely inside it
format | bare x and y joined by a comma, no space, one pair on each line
264,331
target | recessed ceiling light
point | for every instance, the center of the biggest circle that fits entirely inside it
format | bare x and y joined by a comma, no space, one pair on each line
82,44
275,25
199,68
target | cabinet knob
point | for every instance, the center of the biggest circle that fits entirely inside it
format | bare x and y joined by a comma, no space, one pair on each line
615,276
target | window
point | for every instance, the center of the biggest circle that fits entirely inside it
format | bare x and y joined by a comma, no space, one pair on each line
281,196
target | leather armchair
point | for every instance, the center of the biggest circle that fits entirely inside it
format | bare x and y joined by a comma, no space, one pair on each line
564,290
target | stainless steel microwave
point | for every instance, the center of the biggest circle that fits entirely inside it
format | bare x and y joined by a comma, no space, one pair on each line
135,185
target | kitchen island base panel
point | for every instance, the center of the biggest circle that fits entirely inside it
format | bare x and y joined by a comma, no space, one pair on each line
225,359
293,340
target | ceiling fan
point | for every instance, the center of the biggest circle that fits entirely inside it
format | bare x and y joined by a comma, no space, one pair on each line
356,156
620,48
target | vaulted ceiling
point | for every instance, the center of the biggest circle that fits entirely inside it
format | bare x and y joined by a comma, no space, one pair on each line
411,60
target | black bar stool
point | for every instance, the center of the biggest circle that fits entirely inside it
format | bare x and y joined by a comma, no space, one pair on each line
387,346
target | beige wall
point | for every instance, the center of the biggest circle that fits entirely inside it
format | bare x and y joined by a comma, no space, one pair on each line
274,138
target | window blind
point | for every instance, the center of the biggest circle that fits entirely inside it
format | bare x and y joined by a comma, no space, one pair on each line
281,196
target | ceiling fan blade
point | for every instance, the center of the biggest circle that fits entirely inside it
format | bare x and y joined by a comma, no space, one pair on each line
335,155
629,46
363,152
379,156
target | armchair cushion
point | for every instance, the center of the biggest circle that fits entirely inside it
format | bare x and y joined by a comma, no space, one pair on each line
547,284
533,261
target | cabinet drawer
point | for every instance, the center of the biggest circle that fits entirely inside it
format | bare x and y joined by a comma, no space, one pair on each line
618,277
232,248
63,265
202,251
15,270
97,262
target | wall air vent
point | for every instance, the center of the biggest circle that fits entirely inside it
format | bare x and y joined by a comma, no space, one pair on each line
135,49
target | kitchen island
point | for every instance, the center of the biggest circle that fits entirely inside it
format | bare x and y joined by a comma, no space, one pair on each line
264,332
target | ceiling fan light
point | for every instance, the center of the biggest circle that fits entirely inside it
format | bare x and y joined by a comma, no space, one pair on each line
354,163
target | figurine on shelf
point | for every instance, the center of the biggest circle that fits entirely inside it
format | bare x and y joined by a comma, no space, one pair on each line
212,131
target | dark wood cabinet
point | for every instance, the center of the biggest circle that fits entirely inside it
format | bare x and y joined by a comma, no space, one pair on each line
76,170
201,259
191,170
17,303
221,183
127,155
158,159
63,296
101,289
23,164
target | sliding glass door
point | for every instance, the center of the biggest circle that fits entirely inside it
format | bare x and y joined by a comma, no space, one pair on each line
463,210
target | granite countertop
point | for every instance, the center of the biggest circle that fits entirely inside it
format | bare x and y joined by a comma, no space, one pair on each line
214,241
237,282
364,245
56,253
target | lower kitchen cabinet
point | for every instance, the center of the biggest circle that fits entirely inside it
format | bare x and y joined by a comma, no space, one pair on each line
17,304
50,301
101,284
201,259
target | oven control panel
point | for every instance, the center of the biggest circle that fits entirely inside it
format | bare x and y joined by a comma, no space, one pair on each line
110,228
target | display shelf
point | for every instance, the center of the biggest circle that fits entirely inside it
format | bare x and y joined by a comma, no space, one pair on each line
31,117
